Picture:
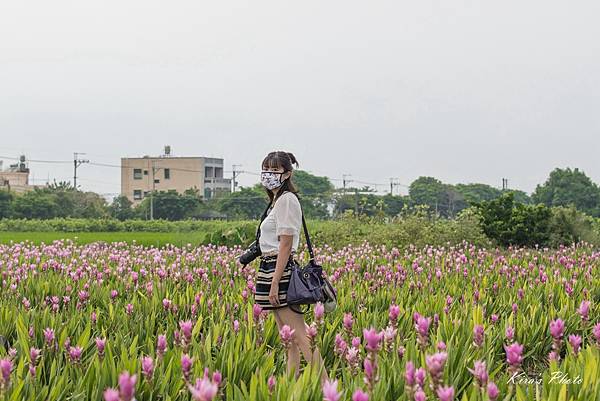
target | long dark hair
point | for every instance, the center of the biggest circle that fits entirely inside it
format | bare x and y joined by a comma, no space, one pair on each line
279,159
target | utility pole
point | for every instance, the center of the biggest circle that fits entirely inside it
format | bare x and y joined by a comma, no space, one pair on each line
154,170
393,184
504,184
235,173
76,163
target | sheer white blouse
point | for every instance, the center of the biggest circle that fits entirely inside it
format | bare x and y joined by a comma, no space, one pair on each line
284,218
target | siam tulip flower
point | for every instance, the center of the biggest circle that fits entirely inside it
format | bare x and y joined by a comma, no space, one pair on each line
445,393
111,394
420,377
435,366
340,345
480,373
6,366
359,395
575,342
127,386
514,308
352,359
12,353
348,322
256,312
147,367
186,329
271,384
420,395
557,328
409,373
422,326
217,377
49,336
494,318
330,392
94,318
596,333
319,313
394,312
287,335
312,333
509,333
356,342
373,339
492,391
441,346
204,390
236,326
186,366
114,294
389,334
31,332
584,310
75,354
161,345
514,356
34,354
478,334
129,309
401,351
100,344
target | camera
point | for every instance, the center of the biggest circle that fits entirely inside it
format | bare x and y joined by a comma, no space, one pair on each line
250,254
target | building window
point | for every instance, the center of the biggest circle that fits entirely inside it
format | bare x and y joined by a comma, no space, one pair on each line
137,194
146,193
145,172
208,172
137,173
167,174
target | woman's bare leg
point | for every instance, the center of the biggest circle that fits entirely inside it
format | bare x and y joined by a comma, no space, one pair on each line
297,323
293,356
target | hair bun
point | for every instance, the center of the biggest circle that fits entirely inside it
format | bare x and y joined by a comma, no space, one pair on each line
293,159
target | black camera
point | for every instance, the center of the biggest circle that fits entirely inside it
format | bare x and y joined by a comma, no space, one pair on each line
250,254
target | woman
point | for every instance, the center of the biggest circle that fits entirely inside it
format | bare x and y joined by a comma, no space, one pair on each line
279,237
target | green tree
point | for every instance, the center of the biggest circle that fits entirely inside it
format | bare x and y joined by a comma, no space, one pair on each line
565,187
316,194
121,208
512,223
35,204
6,199
247,203
478,192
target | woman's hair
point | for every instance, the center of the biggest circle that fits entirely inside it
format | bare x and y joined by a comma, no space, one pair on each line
279,159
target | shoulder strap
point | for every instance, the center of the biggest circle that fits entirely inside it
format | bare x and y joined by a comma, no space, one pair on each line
306,236
264,216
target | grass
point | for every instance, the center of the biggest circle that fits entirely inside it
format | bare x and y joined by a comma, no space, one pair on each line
157,239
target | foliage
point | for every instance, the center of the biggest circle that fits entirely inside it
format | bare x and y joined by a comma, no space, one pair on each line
565,187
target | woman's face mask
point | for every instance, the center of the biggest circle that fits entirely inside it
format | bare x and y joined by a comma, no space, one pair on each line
271,179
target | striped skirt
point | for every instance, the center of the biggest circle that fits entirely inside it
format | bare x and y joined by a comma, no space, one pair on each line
266,270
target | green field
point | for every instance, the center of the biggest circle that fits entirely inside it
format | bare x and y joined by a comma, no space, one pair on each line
156,239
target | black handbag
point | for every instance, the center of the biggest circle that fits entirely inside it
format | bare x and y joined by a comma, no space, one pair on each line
308,285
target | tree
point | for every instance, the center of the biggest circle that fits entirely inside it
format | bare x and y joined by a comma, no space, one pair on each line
169,205
35,204
512,223
6,199
121,208
566,187
474,193
247,203
316,194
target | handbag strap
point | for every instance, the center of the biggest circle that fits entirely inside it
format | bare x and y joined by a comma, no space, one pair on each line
306,235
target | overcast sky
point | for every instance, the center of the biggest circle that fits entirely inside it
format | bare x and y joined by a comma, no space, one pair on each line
466,91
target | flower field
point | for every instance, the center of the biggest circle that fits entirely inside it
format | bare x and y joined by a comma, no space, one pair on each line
119,322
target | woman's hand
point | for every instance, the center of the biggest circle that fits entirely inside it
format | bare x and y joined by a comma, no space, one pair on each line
274,293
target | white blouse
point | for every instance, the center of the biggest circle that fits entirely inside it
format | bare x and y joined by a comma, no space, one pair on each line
284,218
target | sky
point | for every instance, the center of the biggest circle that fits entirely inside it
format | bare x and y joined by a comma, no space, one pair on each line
465,91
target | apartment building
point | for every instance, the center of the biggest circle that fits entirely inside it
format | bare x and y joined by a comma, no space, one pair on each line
140,175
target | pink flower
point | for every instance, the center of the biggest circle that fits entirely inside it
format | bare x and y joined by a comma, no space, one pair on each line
514,354
100,344
584,309
330,392
75,354
6,366
445,393
575,341
359,395
204,390
557,327
34,354
129,309
147,367
420,376
217,377
478,333
186,366
127,386
271,383
420,395
287,335
394,312
348,322
256,311
509,333
596,333
111,394
409,373
186,328
435,365
161,345
49,336
492,391
319,312
480,373
373,339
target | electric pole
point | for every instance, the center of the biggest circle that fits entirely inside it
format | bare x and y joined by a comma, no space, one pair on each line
393,184
76,163
235,174
504,184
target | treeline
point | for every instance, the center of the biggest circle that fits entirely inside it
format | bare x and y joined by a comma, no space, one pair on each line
319,198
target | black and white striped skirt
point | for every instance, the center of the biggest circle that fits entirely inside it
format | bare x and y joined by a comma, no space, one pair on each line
266,270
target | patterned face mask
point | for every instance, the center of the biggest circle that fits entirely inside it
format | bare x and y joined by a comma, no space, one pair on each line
270,179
